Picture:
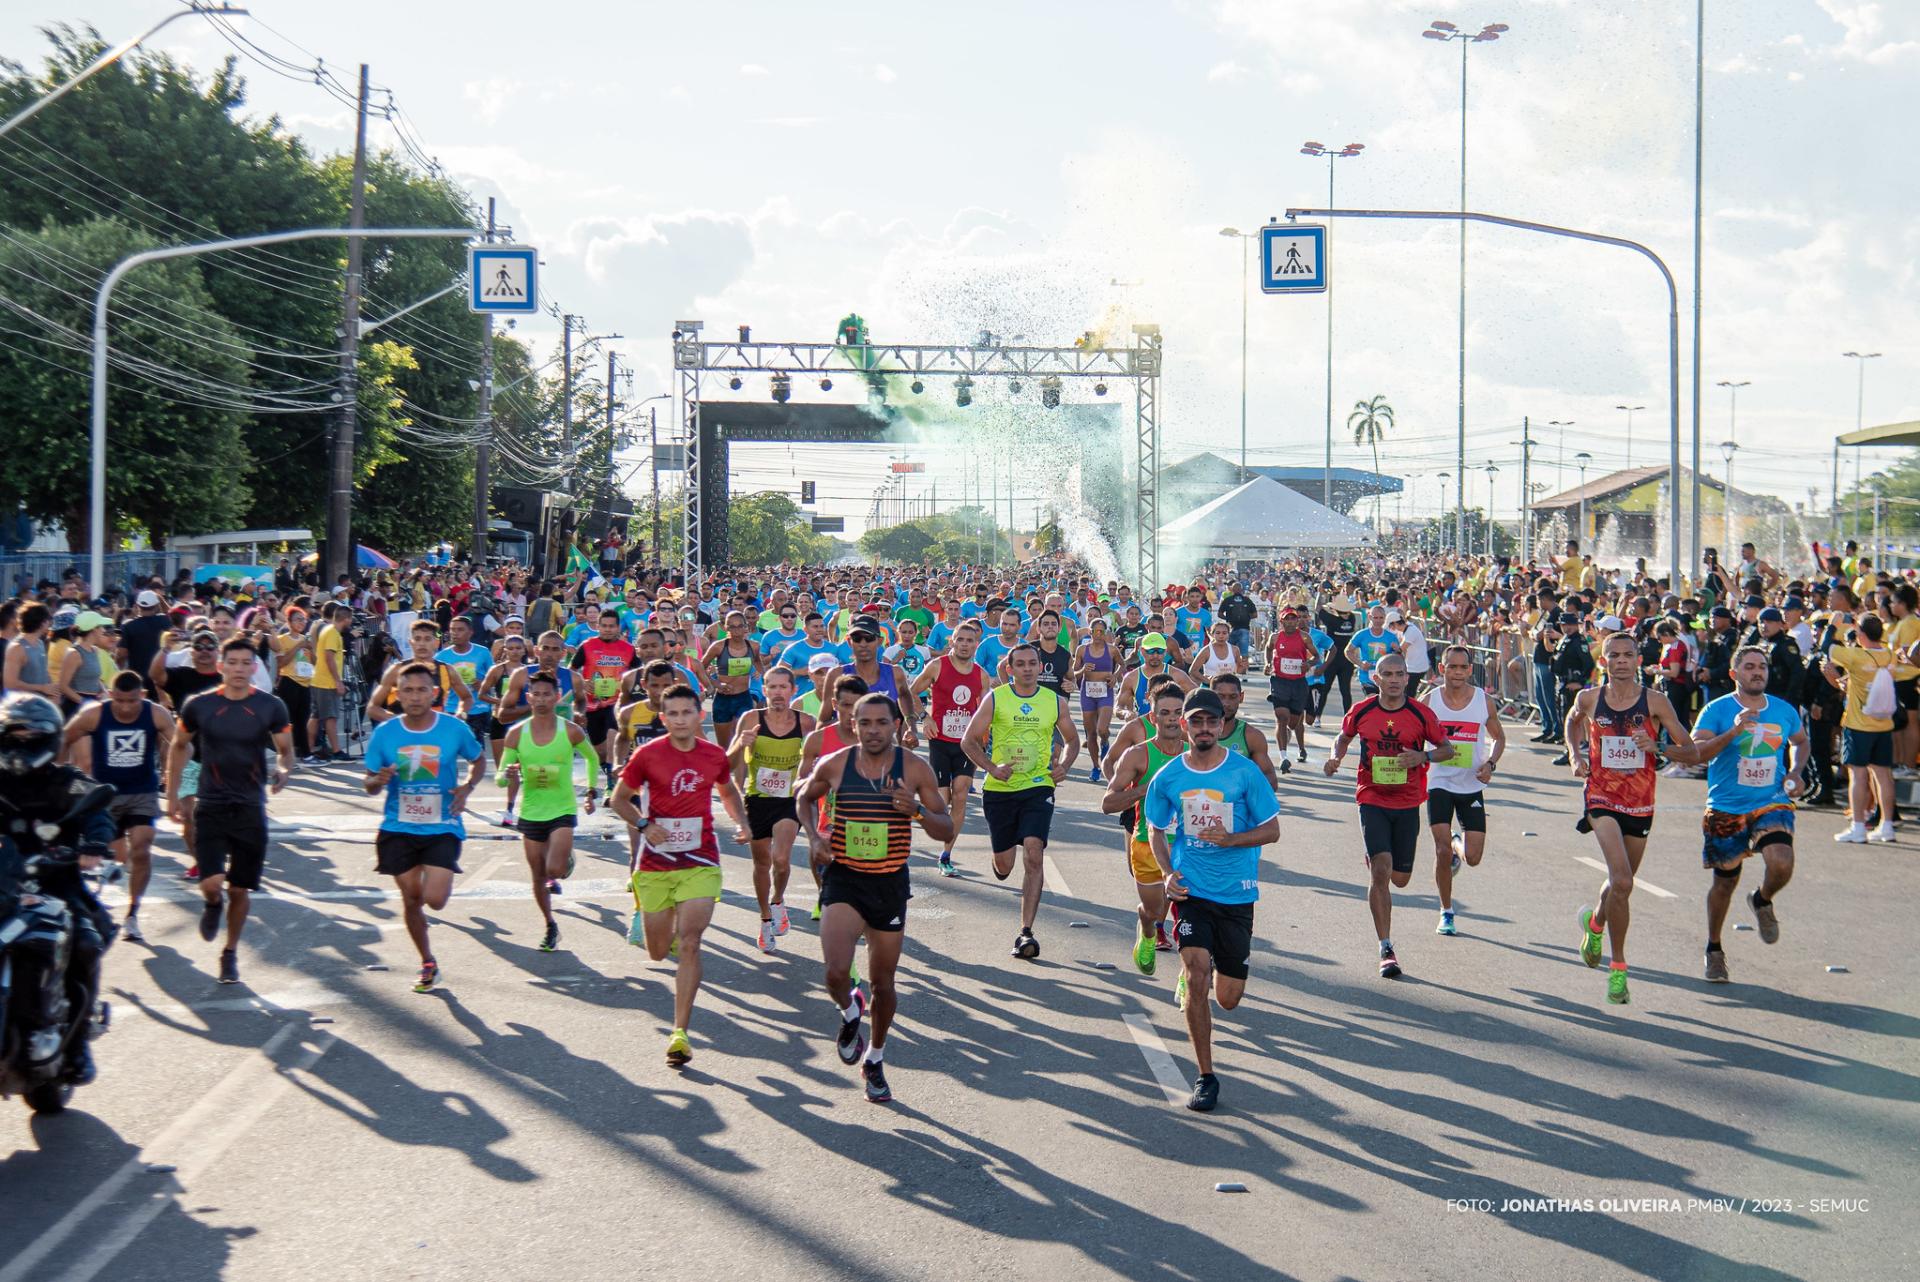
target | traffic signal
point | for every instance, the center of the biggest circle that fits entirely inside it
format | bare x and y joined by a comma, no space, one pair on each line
806,491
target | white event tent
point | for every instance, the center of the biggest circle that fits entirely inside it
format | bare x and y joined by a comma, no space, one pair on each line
1264,514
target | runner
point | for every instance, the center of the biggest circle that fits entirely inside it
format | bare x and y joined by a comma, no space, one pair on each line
539,755
415,758
423,638
1218,655
766,752
958,686
1620,723
1289,658
877,790
732,663
1370,645
1208,813
1136,685
510,656
548,652
1236,733
121,743
880,677
676,881
470,663
1398,740
829,737
1456,782
1094,669
1131,775
1751,786
600,662
230,729
1027,722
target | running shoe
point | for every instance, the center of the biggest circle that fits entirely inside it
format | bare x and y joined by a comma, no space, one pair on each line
130,929
429,976
191,873
229,967
210,913
1446,924
853,973
1389,964
673,948
1716,968
1883,835
503,818
1459,844
1589,939
851,1042
550,940
946,864
816,910
1025,946
1303,756
1286,765
1562,760
767,935
1852,835
1093,776
571,857
1206,1093
1617,988
1180,991
1143,955
1763,918
553,887
637,930
679,1049
878,1092
780,923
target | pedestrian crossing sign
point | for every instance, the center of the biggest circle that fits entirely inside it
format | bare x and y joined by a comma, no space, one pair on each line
501,279
1293,258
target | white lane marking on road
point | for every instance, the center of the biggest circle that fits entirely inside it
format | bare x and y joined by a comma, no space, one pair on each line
196,1138
298,997
1638,884
1155,1051
1054,879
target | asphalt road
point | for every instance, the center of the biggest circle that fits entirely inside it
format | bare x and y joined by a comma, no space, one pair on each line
322,1121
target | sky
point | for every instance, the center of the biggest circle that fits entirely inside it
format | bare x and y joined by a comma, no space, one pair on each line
1050,169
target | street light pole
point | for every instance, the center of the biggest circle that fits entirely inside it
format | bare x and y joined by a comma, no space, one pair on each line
1491,470
1443,507
1733,434
1630,412
1243,238
1580,461
1859,411
1447,31
1727,450
1347,152
1560,456
105,60
1699,126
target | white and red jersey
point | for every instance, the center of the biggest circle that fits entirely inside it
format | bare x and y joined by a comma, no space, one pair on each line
956,698
679,797
1465,729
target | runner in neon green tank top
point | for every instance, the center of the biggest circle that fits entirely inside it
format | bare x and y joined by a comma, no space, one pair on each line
766,749
547,809
1125,790
1246,739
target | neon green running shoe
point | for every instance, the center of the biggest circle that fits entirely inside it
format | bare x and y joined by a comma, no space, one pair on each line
679,1049
1143,954
853,973
1589,940
816,910
673,948
1180,991
1617,987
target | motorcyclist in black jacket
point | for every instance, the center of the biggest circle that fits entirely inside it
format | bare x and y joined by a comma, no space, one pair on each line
43,806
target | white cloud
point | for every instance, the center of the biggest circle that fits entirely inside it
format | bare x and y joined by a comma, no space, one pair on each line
1226,73
1301,82
753,69
884,74
789,122
490,98
1873,33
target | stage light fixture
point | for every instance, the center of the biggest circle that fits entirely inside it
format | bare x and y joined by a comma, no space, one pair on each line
734,382
963,391
1050,393
782,388
826,385
917,387
1099,389
1014,387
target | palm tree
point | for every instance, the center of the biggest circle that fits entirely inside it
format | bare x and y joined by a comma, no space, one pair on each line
1370,420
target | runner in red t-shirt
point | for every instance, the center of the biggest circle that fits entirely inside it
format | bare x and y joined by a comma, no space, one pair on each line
677,880
1289,658
601,661
959,686
1398,740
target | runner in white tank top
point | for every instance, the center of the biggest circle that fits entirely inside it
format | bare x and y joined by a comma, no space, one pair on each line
1454,787
1218,655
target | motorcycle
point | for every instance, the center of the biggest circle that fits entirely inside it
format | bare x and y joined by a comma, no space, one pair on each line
38,1022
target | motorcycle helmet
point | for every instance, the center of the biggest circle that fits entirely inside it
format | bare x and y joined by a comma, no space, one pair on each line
30,730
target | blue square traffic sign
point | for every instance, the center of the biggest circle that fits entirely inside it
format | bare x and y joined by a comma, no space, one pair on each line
502,279
1293,258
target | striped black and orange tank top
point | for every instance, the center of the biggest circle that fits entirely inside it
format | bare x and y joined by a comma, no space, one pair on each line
869,835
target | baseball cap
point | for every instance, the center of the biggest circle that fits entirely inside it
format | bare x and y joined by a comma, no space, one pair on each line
514,618
1203,700
1153,641
1721,612
147,599
865,623
1772,615
1612,623
1393,616
821,661
1754,600
91,619
65,617
1793,603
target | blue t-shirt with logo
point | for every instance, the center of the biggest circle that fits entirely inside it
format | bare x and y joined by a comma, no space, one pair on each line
991,651
471,666
1750,772
428,767
801,652
1239,794
1192,624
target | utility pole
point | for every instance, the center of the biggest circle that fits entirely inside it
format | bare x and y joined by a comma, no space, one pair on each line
607,483
566,400
1526,490
483,455
653,467
340,549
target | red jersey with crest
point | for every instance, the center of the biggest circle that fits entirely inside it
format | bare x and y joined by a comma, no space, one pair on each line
679,797
1383,735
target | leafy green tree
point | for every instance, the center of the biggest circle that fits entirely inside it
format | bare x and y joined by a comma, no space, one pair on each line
175,409
904,544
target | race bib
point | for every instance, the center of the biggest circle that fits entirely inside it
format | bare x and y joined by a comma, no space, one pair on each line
420,807
865,839
302,670
1758,772
1387,770
1460,754
539,774
606,687
739,667
1021,757
1095,690
1292,667
954,724
773,783
1620,752
682,834
1200,810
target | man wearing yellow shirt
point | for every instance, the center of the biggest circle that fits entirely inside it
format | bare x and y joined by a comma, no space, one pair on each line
1864,578
1902,604
329,655
1866,742
1572,567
